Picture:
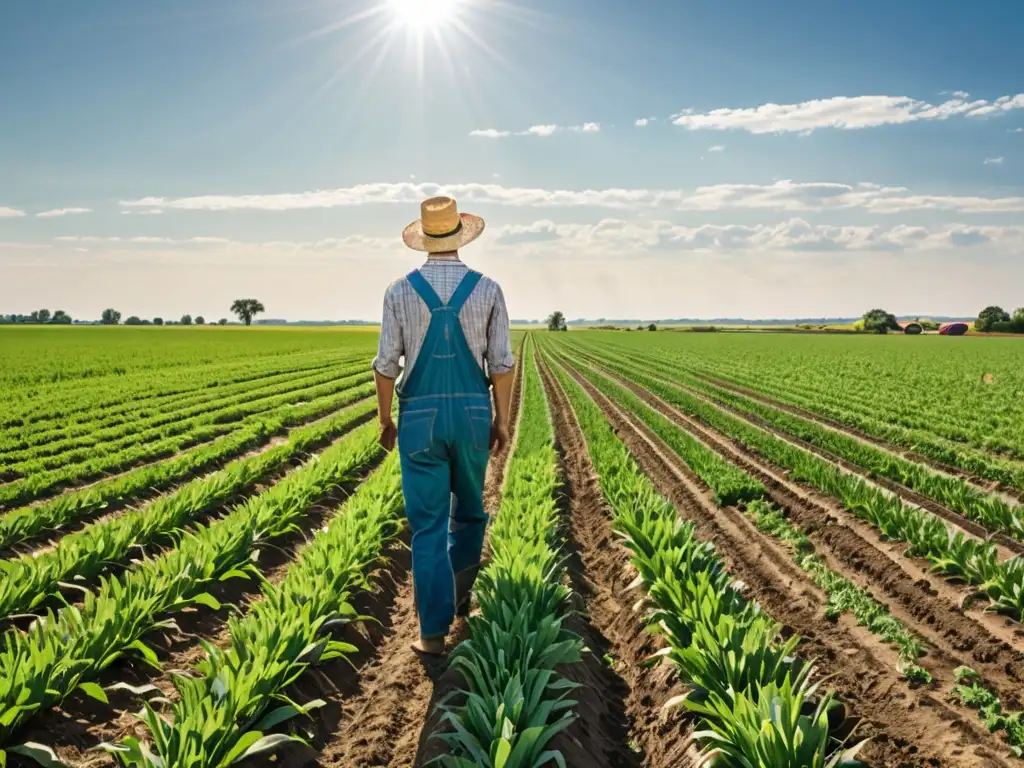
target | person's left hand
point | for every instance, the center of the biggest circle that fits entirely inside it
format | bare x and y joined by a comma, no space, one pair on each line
499,438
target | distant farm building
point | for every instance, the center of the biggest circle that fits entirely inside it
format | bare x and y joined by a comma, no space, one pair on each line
953,329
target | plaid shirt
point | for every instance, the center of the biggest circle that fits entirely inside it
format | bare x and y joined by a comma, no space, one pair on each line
484,320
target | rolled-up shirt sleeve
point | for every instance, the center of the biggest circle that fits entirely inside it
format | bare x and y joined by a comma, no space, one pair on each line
390,349
499,337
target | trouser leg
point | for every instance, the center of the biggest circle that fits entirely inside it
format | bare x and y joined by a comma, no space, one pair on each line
469,519
426,486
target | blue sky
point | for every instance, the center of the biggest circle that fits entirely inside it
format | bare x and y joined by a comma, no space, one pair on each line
798,158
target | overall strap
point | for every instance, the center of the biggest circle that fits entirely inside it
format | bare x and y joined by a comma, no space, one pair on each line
423,288
462,293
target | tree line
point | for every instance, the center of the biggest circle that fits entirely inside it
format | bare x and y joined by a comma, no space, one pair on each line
245,309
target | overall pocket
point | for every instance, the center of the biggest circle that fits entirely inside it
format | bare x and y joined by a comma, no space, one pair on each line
416,431
480,426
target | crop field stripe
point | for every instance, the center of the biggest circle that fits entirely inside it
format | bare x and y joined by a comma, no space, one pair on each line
227,706
65,437
950,552
93,418
988,424
708,625
843,595
31,580
48,482
828,638
518,639
990,512
58,402
955,454
65,653
195,423
24,523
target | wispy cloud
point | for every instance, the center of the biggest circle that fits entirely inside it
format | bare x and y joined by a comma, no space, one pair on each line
842,112
616,236
1017,130
10,213
490,133
783,195
57,212
643,122
542,131
717,148
993,161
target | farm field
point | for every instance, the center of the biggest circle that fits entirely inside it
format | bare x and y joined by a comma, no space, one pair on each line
762,550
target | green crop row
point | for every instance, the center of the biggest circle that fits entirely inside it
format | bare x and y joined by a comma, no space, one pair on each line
39,484
237,693
515,700
730,484
65,651
828,393
24,523
60,402
950,552
756,701
973,503
31,580
66,438
843,595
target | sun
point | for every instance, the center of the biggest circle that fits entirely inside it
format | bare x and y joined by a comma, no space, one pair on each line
423,14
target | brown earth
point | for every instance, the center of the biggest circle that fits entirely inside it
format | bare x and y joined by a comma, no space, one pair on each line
624,722
905,727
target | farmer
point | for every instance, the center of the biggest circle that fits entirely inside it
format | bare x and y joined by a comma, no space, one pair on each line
451,325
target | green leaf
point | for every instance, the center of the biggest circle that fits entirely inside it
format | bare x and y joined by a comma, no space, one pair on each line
40,753
265,745
205,598
95,691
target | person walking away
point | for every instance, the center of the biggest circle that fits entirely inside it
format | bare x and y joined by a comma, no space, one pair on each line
451,325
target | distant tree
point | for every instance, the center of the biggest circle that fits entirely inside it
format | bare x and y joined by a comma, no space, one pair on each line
158,321
880,321
989,316
652,327
200,320
34,317
133,320
222,321
556,322
110,317
186,320
60,317
247,309
43,315
147,322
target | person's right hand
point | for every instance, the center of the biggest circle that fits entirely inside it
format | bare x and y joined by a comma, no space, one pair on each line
388,435
499,438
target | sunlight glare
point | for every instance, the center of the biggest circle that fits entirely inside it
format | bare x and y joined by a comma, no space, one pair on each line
423,14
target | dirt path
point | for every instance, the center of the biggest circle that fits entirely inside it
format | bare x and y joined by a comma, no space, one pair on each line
388,720
905,727
622,721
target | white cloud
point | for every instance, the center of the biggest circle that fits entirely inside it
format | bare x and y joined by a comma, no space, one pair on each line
616,237
57,212
10,213
1017,130
717,148
961,95
783,195
643,122
993,161
540,130
843,112
154,212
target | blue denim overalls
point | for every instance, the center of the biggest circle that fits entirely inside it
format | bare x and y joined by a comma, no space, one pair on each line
444,428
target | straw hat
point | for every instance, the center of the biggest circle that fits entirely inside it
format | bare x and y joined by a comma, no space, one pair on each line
442,228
